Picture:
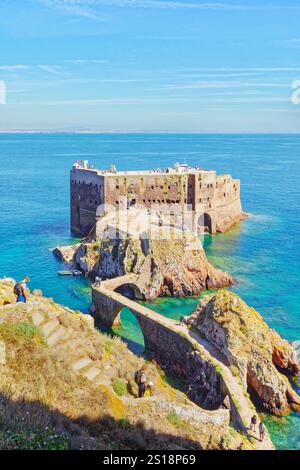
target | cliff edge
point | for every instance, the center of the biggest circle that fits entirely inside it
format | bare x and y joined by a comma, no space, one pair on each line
255,352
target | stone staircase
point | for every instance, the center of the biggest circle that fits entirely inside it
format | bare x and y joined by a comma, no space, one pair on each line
56,336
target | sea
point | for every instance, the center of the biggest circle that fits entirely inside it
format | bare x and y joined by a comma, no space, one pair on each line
262,253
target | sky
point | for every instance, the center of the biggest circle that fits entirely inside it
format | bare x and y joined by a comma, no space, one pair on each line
150,65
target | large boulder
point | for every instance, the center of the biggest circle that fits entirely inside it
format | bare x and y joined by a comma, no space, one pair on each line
66,253
261,358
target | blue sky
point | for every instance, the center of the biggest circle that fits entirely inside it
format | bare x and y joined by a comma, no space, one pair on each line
150,65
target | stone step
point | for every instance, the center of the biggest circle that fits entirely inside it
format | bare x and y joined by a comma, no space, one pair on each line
48,328
91,373
58,334
37,318
102,381
2,353
85,361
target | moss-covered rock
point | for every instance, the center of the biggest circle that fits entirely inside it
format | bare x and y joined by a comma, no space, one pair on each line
258,354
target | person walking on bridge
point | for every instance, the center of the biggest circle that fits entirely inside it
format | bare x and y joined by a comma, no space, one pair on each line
253,423
262,430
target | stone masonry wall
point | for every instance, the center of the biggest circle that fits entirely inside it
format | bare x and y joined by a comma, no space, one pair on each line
86,194
214,199
176,354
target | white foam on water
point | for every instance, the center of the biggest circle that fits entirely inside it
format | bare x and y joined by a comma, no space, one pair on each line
296,346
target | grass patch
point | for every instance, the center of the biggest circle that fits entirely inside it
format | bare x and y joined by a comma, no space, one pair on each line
12,332
174,419
108,345
236,404
172,380
124,423
234,370
27,329
32,440
119,387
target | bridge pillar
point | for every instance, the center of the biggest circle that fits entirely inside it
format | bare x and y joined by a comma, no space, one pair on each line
105,309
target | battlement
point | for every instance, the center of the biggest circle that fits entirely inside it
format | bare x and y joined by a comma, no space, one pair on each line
215,198
112,171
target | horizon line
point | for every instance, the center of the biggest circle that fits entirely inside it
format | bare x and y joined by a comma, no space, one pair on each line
134,131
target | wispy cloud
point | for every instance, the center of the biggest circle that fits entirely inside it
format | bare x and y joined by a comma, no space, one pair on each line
80,8
204,84
52,69
295,42
162,4
159,100
165,4
86,61
13,68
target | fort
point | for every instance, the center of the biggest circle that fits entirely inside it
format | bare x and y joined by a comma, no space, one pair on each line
212,199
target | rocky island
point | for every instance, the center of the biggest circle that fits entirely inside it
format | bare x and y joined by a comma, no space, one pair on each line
168,262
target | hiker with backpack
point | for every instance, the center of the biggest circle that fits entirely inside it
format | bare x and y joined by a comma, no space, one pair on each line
20,290
141,381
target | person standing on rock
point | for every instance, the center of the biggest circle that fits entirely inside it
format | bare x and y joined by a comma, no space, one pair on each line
253,423
141,380
262,430
20,290
181,320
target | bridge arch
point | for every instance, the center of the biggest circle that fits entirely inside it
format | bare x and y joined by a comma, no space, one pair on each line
130,290
105,307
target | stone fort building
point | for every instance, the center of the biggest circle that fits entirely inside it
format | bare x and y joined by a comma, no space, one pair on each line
213,199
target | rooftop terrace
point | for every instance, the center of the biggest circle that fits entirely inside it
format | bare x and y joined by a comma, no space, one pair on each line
112,171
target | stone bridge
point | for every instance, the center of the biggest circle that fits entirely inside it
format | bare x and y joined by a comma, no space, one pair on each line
179,350
107,303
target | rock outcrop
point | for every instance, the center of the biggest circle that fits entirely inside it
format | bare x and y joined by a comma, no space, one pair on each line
256,353
66,253
172,263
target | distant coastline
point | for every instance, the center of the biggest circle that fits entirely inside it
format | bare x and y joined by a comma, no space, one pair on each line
150,132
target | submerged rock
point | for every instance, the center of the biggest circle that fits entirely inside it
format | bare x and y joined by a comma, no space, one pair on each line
253,350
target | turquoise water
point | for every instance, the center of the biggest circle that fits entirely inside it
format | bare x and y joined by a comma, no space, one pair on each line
262,253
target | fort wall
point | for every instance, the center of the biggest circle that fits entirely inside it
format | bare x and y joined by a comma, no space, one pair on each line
86,194
213,199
